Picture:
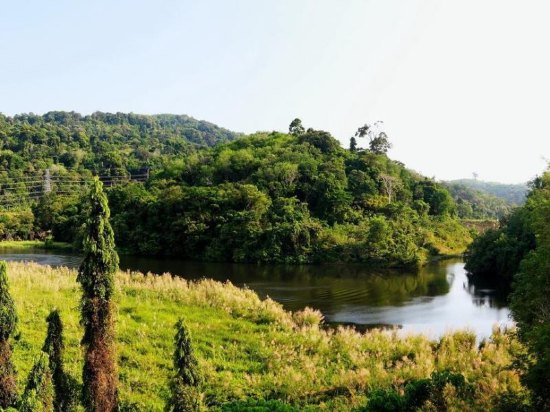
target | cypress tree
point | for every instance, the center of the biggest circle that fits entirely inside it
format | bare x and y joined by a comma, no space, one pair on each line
38,395
96,275
8,323
186,384
64,396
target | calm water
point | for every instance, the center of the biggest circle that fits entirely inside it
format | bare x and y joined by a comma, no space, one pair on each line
438,299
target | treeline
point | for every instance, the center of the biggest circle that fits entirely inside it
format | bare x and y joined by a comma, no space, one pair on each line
476,204
272,197
511,193
49,387
112,143
275,197
518,253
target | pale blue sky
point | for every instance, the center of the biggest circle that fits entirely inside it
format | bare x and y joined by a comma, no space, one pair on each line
461,85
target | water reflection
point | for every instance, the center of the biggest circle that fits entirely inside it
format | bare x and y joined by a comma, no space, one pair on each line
438,298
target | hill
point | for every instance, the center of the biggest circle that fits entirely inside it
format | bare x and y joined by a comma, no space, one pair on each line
512,193
267,197
105,143
476,204
250,348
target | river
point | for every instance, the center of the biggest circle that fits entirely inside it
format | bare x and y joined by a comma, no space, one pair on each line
439,298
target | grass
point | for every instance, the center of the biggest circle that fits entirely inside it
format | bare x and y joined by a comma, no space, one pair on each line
34,244
248,347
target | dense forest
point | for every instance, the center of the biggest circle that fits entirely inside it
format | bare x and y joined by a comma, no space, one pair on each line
108,143
269,197
518,253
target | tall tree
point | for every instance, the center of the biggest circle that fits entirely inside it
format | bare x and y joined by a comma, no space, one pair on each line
96,275
187,381
64,399
379,142
353,144
8,323
296,128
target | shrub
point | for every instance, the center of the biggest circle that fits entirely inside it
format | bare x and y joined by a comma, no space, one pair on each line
38,395
253,405
186,384
8,323
64,387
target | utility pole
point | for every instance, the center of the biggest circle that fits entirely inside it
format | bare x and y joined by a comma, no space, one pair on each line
47,181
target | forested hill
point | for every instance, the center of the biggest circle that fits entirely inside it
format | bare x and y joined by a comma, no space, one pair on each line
269,197
512,193
477,204
115,143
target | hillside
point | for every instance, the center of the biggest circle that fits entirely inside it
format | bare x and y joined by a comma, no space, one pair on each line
252,348
512,193
477,204
268,197
105,143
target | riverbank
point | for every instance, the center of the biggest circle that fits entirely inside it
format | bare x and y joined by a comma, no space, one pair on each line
248,347
36,245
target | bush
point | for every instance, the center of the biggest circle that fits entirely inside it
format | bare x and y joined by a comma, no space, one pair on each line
260,405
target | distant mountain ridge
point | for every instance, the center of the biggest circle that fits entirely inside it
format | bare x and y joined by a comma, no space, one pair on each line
114,143
512,193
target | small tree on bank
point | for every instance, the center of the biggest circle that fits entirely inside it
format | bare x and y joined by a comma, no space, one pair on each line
185,386
64,391
39,392
96,275
8,323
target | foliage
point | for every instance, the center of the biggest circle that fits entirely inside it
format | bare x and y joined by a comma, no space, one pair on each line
530,300
249,348
520,252
96,275
8,323
186,384
498,252
288,199
514,194
444,391
64,387
268,197
39,392
114,142
476,204
378,140
255,405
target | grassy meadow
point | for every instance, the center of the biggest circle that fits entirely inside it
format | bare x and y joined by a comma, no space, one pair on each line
249,347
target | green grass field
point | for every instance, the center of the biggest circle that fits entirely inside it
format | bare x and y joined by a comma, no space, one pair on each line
247,347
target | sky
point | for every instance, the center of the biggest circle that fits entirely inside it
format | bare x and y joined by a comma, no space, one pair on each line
461,86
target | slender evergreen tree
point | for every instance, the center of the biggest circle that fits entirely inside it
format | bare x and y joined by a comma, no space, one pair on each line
8,323
64,396
39,392
186,384
96,275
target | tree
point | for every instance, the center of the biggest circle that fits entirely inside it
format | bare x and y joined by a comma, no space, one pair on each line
38,395
389,183
353,144
8,323
96,275
187,381
378,141
530,300
64,399
296,128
